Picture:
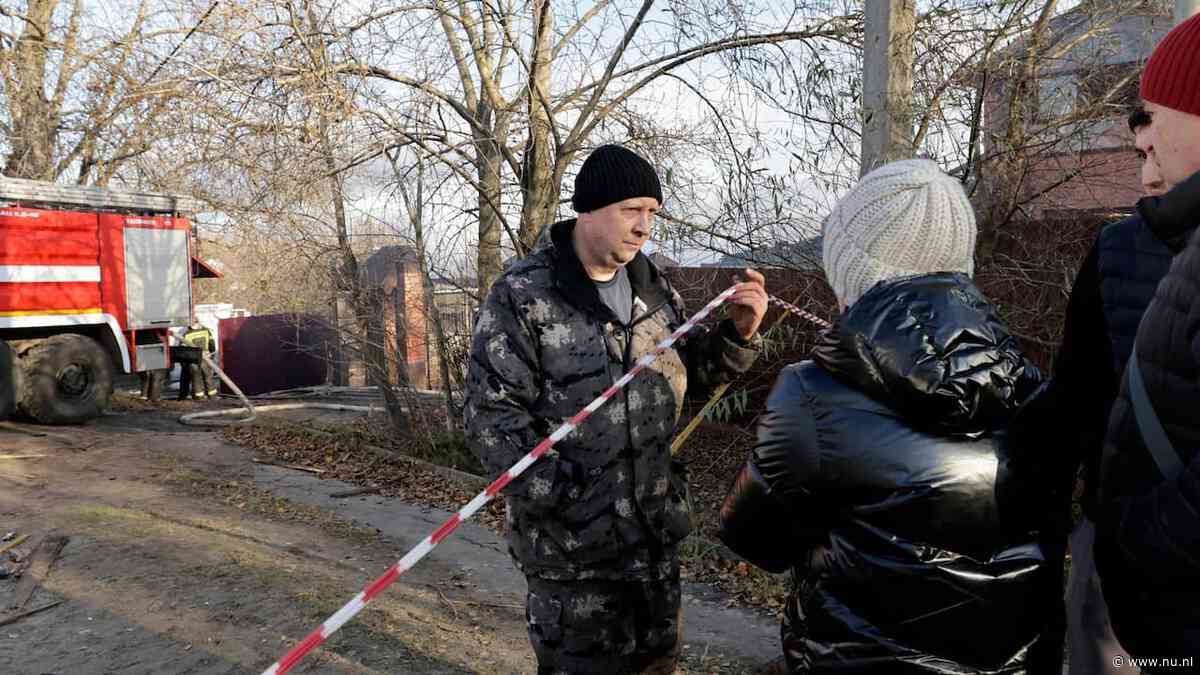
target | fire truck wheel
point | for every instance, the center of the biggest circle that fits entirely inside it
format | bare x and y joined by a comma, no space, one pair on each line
8,381
65,379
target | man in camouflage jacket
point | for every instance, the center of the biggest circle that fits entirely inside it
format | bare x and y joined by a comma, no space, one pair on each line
595,524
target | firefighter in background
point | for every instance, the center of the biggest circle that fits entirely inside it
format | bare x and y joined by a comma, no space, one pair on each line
194,375
152,383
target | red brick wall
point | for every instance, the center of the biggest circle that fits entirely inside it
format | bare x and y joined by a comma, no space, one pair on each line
400,300
416,352
1108,179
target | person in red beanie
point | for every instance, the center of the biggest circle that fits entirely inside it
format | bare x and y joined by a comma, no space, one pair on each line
1057,439
1171,91
1147,508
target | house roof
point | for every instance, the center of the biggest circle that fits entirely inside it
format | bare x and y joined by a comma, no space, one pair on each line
381,264
805,255
661,259
205,270
1124,32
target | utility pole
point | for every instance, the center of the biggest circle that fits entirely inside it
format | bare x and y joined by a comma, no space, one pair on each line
1184,9
888,55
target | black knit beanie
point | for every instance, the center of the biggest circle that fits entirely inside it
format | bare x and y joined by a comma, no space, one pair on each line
613,173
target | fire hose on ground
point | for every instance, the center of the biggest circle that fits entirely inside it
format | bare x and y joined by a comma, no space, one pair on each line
250,411
414,555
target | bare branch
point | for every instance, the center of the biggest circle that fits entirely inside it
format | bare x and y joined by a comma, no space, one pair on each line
581,124
583,20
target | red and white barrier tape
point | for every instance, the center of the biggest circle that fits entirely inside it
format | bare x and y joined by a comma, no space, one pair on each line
419,551
799,312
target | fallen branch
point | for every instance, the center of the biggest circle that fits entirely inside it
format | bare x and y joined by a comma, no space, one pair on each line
41,561
297,467
355,492
14,543
445,600
21,456
16,428
17,617
501,605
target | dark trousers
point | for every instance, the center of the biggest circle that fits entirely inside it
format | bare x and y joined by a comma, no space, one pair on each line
193,379
152,384
601,627
1090,633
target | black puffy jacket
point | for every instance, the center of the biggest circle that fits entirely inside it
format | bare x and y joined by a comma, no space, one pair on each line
1148,528
874,479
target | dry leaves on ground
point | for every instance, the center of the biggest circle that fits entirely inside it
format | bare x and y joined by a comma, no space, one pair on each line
347,461
715,453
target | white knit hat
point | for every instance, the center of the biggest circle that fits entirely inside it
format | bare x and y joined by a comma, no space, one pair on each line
903,219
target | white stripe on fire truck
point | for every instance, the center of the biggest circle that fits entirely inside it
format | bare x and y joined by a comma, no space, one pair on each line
48,273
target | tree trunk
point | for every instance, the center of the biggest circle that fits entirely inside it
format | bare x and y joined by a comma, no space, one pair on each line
395,407
338,375
34,123
489,257
488,161
416,215
539,189
366,314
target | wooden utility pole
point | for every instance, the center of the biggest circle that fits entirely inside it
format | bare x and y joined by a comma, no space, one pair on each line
888,55
1185,9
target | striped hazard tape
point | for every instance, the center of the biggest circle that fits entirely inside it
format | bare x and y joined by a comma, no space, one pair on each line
799,312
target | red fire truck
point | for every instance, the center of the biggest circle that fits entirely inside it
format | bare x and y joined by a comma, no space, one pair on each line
90,281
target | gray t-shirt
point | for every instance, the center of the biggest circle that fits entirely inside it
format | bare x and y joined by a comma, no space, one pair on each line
618,295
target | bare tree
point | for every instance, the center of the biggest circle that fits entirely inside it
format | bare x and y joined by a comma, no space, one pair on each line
412,192
299,101
82,99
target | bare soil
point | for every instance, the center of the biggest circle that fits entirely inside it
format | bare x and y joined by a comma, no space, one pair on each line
177,564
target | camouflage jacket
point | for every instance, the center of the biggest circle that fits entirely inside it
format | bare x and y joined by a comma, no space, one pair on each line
607,502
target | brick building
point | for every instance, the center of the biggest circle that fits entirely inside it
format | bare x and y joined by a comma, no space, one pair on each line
396,341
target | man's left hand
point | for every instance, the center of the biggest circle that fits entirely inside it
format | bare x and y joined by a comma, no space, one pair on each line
749,304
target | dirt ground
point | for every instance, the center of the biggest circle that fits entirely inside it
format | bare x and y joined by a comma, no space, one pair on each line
185,557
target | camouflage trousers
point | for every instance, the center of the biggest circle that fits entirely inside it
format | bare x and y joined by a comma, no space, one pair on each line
604,627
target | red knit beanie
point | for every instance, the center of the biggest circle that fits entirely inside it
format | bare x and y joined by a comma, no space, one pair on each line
1172,75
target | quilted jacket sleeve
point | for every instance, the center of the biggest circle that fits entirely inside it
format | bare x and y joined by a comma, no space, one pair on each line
1159,530
503,384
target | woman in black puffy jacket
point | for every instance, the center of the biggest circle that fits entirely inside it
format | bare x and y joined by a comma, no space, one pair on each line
874,477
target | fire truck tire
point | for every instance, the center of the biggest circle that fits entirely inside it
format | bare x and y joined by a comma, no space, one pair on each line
8,381
65,379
